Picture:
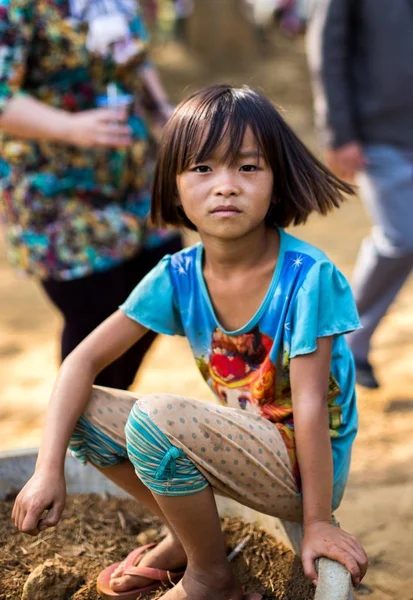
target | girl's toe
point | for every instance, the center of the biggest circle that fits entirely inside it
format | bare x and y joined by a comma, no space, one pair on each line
116,584
118,571
123,584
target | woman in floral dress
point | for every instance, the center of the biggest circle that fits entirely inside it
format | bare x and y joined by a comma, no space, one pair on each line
75,172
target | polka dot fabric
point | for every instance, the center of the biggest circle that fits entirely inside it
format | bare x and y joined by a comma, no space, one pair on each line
242,455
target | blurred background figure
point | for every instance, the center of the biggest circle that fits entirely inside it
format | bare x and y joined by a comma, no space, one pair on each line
77,95
183,12
293,15
261,13
150,13
360,53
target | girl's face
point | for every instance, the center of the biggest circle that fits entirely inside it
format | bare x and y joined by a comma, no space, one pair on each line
227,201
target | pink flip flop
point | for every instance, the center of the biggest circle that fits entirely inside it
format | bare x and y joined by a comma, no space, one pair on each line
131,567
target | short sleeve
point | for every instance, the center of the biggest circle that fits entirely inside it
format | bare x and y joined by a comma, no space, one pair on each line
324,306
152,303
16,31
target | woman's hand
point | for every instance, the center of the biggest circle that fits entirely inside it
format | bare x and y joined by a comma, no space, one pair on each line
100,127
43,492
346,161
324,539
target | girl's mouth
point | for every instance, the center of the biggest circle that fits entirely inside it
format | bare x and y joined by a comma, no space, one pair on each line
225,210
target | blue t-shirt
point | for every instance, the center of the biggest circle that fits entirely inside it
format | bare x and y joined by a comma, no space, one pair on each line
248,368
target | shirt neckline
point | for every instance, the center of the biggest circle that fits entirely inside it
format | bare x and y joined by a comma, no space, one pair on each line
266,300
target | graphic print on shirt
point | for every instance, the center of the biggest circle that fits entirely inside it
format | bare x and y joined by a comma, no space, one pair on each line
242,375
235,368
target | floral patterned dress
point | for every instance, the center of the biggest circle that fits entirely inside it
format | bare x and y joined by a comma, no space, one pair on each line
70,211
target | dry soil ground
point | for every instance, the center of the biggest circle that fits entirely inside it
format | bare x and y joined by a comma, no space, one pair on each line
378,505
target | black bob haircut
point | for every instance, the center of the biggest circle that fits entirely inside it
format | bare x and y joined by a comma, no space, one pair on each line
222,113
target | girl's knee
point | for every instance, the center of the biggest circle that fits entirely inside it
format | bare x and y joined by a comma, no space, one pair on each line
161,466
99,436
145,410
172,414
157,406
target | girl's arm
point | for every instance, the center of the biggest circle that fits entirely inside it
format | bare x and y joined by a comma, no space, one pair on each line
71,393
309,384
75,379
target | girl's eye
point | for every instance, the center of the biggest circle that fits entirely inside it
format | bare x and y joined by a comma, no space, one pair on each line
249,168
201,169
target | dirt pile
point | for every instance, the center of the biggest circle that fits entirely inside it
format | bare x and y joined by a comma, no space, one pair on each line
52,580
95,531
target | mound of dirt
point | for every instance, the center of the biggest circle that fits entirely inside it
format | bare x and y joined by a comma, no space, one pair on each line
52,580
96,530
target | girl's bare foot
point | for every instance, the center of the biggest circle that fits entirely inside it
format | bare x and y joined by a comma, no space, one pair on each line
217,584
168,554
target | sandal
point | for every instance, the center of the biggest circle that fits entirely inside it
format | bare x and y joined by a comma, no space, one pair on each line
131,567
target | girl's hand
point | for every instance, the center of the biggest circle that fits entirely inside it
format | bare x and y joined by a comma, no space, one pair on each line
324,539
100,127
43,492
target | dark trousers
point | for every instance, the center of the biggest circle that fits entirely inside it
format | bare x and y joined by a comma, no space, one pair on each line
86,302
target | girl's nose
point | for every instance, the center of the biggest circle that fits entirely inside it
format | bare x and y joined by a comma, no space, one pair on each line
226,187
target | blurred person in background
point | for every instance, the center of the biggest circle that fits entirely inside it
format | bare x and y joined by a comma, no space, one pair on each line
361,56
150,11
75,178
183,11
293,15
261,14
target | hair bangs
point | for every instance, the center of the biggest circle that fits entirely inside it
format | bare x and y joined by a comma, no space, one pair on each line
220,122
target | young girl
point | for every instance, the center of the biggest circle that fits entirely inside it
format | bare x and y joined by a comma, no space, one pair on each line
265,315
